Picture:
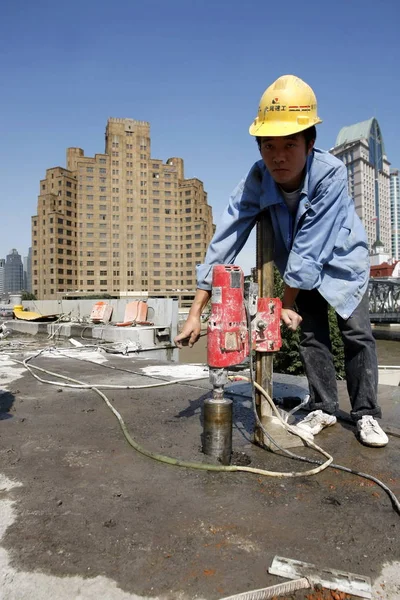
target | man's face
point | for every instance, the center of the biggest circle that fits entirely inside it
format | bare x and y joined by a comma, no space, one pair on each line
285,159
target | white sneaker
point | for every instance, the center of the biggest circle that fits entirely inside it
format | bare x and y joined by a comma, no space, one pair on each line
315,421
370,432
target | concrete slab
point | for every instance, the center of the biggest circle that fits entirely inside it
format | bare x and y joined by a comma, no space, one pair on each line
83,515
151,341
27,327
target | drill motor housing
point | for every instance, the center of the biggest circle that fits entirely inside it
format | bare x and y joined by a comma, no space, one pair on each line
228,332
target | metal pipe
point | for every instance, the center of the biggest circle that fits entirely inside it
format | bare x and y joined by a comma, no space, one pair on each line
217,429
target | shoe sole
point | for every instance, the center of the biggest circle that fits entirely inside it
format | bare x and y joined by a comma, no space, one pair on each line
369,445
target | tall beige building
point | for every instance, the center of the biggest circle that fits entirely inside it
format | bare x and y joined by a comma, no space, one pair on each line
119,222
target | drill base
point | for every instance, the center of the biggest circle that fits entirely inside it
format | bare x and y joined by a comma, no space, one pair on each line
278,433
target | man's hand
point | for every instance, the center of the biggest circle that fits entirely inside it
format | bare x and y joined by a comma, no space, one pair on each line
291,318
190,332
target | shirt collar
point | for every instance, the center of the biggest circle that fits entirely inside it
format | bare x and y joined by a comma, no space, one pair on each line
270,190
304,189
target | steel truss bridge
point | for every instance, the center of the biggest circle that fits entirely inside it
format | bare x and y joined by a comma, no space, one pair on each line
384,300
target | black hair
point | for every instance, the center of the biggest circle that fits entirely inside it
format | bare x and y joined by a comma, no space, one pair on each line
309,134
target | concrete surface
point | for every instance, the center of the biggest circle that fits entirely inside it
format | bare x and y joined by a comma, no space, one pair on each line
83,515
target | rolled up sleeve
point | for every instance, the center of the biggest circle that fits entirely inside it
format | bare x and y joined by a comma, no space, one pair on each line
302,273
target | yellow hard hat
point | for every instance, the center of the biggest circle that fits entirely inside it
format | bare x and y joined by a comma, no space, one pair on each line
287,106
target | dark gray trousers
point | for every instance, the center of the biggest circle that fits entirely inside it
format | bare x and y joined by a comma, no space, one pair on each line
361,364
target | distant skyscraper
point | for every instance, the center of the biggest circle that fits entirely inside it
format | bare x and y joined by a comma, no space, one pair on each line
2,274
362,150
395,212
25,265
28,271
13,281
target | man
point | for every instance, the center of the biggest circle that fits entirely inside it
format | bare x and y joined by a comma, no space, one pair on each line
320,250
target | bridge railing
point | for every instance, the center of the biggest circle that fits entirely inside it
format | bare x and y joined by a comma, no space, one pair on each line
384,300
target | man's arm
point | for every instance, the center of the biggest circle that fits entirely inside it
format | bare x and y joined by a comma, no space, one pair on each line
236,224
316,237
191,329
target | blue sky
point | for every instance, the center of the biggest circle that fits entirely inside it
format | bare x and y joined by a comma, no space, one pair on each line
194,69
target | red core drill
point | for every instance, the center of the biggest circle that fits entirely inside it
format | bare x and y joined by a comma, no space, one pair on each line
229,344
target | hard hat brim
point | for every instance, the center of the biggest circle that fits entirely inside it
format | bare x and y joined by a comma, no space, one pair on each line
280,128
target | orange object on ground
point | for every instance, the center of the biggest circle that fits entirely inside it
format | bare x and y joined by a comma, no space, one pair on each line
135,314
101,312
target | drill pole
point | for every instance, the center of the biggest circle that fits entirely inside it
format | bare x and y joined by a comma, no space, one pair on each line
264,360
265,280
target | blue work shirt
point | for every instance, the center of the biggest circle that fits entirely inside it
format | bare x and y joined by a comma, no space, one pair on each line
323,246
